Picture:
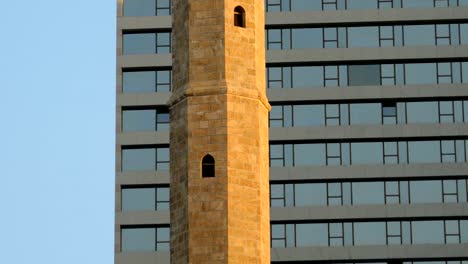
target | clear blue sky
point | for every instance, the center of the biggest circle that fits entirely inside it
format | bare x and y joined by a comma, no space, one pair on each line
57,104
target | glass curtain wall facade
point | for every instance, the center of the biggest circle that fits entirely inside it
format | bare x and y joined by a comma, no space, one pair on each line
368,131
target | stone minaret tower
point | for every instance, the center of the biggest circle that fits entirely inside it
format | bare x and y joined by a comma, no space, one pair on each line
219,133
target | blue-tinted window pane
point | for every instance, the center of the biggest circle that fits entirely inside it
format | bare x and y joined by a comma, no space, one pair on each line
139,8
138,199
308,76
163,81
424,151
273,6
426,192
162,120
276,156
138,120
139,43
138,159
162,158
138,239
275,79
274,38
163,8
420,73
464,33
366,153
364,75
308,194
422,112
162,239
465,72
163,42
362,4
306,38
277,191
417,3
441,3
419,35
428,232
162,198
311,235
309,154
368,193
309,115
365,114
372,233
464,231
277,231
363,36
139,82
302,5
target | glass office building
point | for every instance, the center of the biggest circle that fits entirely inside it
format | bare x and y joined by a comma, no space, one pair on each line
368,131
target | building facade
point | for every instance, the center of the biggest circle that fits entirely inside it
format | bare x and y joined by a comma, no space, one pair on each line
368,130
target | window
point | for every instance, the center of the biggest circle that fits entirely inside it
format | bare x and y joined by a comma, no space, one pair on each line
446,112
145,159
146,81
442,190
135,239
147,7
332,115
208,166
138,239
146,43
145,198
145,120
364,75
239,17
281,116
355,153
359,75
389,113
335,193
368,36
368,233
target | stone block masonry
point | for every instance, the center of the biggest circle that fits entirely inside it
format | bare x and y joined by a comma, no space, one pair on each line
219,107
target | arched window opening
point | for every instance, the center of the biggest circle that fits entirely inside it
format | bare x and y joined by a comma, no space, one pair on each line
208,166
239,17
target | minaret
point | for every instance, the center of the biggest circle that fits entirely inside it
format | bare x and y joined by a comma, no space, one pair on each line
219,133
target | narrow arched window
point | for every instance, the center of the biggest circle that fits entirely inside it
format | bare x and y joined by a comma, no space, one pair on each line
239,17
208,166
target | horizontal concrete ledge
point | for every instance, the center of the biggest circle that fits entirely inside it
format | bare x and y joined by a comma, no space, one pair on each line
144,61
410,252
322,56
143,138
368,93
343,55
388,171
368,132
143,177
144,99
142,257
313,134
375,16
322,213
321,94
327,213
142,218
323,173
147,22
